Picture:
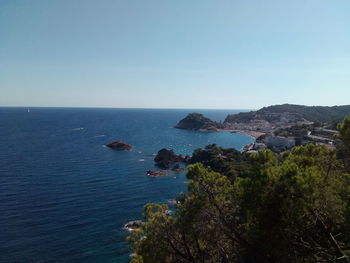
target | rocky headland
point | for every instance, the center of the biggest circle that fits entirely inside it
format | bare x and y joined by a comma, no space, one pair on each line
197,122
165,158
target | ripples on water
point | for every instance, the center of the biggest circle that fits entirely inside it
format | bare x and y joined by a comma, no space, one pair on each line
64,197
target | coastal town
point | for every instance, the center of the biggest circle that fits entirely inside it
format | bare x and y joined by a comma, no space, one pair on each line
271,127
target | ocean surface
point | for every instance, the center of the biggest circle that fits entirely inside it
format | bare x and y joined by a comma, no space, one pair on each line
64,196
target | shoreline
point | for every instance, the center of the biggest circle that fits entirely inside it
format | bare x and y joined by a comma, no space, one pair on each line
253,134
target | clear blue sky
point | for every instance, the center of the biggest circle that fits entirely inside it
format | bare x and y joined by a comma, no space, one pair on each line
174,54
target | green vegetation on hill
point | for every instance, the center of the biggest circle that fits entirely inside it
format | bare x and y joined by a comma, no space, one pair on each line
229,162
266,207
196,121
294,131
310,113
344,147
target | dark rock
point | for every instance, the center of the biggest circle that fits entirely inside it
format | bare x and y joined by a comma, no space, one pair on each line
177,169
132,225
187,159
119,145
156,173
166,157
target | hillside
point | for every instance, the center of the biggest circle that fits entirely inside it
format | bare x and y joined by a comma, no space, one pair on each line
196,121
292,113
259,208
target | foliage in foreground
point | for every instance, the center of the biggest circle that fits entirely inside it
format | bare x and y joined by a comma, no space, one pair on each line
293,207
344,147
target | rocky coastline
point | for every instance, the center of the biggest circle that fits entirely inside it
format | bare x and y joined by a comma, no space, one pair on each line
165,158
169,161
278,127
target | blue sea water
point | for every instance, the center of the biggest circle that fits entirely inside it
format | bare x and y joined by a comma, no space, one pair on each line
64,197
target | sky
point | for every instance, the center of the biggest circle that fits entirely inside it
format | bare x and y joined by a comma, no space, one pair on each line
218,54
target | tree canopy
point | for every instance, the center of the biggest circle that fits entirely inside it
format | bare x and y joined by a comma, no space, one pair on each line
311,113
291,207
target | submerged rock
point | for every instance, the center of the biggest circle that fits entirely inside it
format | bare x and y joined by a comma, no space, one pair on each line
156,173
177,169
132,225
119,145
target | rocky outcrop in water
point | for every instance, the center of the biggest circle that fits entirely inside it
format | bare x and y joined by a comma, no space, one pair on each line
197,122
165,158
132,225
177,168
119,145
156,173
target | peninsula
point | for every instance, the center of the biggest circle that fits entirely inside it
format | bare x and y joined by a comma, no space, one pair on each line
197,122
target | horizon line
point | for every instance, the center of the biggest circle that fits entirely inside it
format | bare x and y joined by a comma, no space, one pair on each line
155,108
131,108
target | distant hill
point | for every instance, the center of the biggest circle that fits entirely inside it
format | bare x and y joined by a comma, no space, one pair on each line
292,112
196,121
268,119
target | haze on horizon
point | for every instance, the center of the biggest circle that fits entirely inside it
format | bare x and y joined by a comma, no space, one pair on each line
174,54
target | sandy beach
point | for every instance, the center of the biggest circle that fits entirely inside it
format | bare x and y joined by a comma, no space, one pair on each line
254,134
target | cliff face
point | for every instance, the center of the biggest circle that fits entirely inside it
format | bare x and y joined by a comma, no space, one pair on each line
197,122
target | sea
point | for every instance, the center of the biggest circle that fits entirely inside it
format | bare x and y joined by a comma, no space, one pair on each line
64,196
